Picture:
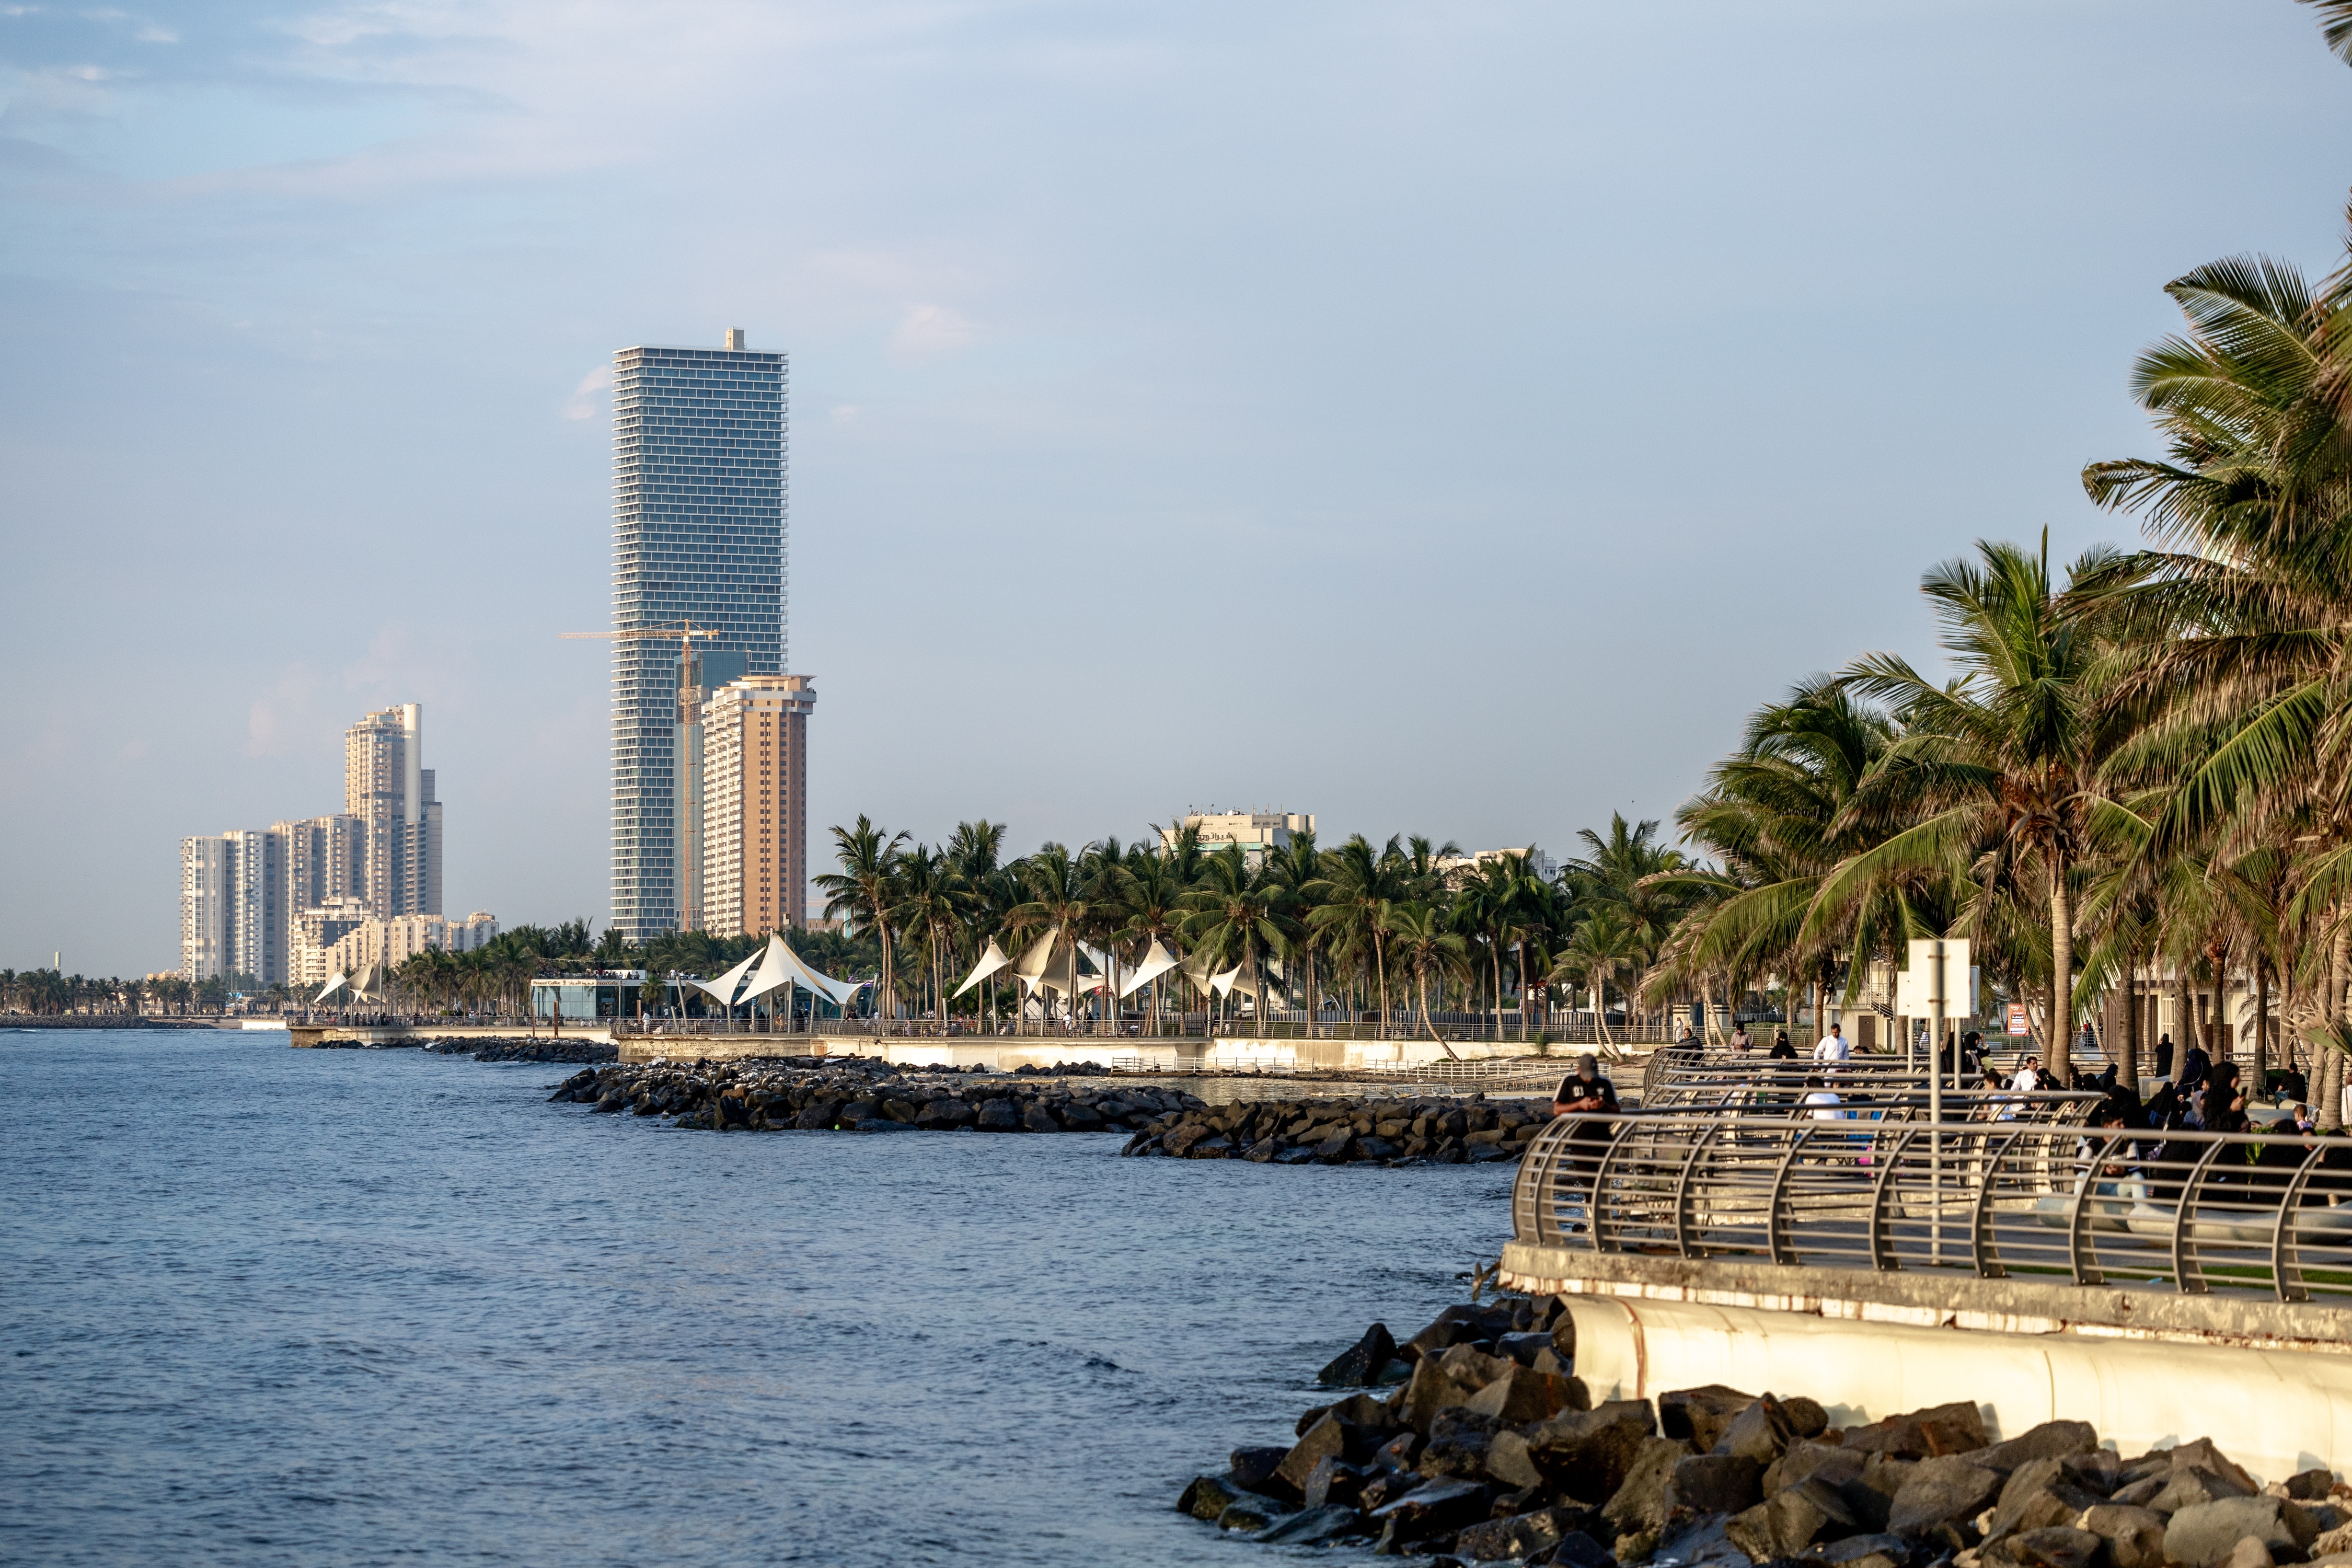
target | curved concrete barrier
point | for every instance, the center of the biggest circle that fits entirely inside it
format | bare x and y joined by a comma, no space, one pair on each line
2276,1411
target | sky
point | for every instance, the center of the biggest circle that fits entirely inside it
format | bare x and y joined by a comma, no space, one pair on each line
1442,419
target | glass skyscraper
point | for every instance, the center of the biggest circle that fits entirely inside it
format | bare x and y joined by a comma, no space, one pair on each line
699,536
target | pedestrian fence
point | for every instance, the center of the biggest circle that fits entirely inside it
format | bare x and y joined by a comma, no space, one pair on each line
1882,1188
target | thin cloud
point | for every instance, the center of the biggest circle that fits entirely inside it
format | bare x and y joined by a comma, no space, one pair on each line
929,331
587,400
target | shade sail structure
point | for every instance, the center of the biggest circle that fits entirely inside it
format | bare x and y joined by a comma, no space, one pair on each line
990,963
837,992
1031,968
723,988
1157,962
776,968
333,986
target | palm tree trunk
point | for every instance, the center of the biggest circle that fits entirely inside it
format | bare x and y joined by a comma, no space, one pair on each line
2128,1073
2061,976
2328,1067
2262,1025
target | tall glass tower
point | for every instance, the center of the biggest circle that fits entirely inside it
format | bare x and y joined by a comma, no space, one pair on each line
699,536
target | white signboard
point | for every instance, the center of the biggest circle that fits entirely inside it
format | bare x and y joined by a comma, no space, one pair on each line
1915,987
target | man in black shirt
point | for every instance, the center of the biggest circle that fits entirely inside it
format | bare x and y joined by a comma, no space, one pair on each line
1587,1095
1585,1091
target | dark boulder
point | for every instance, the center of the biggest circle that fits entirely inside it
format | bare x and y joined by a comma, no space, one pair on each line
1254,1468
2202,1534
1522,1395
1787,1522
1433,1507
1330,1438
1940,1493
1763,1432
1641,1503
997,1116
1314,1526
1458,1442
2056,1546
2051,1441
1516,1537
1361,1363
1035,1118
2192,1485
2039,1494
945,1115
1332,1481
1955,1428
1700,1415
1585,1453
2134,1536
1251,1514
1714,1483
1210,1495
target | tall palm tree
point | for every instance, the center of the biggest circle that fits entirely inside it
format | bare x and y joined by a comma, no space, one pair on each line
926,893
1238,909
861,893
1055,883
1600,948
1150,908
1418,934
1998,778
1357,881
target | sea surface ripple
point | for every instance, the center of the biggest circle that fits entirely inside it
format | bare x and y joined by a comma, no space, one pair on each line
262,1306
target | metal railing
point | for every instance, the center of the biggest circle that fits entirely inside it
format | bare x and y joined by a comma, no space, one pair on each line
2241,1214
1678,1076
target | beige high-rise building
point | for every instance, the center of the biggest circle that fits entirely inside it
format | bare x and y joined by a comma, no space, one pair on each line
388,787
393,942
754,804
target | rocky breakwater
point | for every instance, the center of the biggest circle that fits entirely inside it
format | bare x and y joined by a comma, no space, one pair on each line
1370,1130
1488,1449
522,1049
810,1094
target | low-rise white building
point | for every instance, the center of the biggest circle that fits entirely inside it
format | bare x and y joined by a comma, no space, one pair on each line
393,942
1256,831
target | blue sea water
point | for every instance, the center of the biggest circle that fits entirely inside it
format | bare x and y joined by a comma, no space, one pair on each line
262,1306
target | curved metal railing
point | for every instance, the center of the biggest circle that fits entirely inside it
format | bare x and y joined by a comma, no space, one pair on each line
1686,1080
2219,1213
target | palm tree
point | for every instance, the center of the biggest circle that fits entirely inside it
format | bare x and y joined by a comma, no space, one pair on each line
861,893
1357,881
1997,778
1296,869
1056,884
1418,936
1599,947
1238,908
1150,908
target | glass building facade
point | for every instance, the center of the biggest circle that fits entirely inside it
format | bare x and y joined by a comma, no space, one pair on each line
700,441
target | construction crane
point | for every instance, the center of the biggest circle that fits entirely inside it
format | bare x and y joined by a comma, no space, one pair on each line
682,637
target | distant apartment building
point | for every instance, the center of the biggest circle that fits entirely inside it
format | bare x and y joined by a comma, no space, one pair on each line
700,673
311,938
1457,870
755,805
700,473
1256,831
393,942
388,787
207,877
266,902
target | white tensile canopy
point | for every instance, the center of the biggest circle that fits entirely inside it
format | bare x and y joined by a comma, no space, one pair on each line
1157,962
337,983
990,963
723,989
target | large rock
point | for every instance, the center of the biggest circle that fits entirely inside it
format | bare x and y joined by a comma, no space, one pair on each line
1474,1368
1641,1503
1955,1428
1806,1416
1517,1536
2309,1486
1330,1438
1037,1119
1763,1432
1939,1493
2203,1534
1332,1481
1700,1415
1431,1508
1210,1495
997,1116
1714,1483
2051,1441
1522,1395
1251,1514
1315,1526
1458,1442
2039,1494
2134,1536
1429,1391
1256,1469
2205,1456
1586,1453
945,1115
1787,1521
2057,1546
1359,1366
1522,1348
2192,1485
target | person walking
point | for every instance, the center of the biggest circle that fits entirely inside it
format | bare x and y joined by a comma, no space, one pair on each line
2164,1056
1834,1048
